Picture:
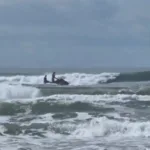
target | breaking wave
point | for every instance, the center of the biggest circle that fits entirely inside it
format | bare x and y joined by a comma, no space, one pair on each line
132,77
82,78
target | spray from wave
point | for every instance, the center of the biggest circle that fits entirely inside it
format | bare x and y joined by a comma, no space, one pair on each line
76,79
82,78
72,78
17,92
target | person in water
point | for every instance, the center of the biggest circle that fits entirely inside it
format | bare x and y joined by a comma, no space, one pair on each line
53,77
57,81
45,80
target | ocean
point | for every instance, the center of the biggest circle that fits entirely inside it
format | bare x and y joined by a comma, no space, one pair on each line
99,110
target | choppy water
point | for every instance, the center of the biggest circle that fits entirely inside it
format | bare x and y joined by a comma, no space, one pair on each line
103,111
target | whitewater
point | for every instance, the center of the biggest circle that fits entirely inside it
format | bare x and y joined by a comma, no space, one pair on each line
97,111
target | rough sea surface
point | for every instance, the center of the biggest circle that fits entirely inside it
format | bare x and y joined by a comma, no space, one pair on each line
98,111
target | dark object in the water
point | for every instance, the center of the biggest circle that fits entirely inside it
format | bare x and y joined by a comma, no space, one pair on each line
61,82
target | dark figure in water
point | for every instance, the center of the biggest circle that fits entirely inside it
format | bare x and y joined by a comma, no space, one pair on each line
45,80
53,77
58,81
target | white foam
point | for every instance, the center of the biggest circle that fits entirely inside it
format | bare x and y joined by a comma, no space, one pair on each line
4,119
33,95
46,118
89,147
17,92
73,78
98,98
103,127
10,78
83,116
97,131
88,79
